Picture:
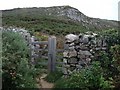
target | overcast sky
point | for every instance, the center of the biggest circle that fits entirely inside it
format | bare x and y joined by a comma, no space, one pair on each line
105,9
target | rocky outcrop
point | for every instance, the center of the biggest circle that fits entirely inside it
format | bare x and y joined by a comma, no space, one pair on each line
80,50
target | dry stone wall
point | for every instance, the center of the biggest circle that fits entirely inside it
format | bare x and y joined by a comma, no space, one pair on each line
29,40
80,50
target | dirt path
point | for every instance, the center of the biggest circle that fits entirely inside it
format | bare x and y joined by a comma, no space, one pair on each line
44,84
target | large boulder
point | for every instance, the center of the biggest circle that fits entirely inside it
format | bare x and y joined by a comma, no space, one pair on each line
71,37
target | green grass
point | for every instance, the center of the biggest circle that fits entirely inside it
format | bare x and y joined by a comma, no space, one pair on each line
49,21
49,25
52,77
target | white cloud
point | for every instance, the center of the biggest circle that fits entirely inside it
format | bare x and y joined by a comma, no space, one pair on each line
106,9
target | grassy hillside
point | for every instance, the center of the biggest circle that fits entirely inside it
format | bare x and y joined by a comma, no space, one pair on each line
59,20
50,25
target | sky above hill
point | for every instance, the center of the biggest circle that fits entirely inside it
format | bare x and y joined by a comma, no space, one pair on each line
104,9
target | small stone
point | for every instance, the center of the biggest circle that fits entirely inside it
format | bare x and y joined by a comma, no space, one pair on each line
88,59
97,49
72,44
104,43
71,48
104,48
64,60
91,50
70,72
92,56
81,62
72,61
72,54
65,71
67,66
77,47
79,66
65,54
76,42
66,46
99,43
83,47
81,56
85,39
87,53
72,65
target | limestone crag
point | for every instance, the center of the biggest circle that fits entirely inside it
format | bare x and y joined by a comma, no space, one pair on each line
80,50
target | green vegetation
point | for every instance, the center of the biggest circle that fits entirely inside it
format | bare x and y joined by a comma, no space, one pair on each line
49,25
41,66
112,36
53,76
103,73
16,71
54,20
89,78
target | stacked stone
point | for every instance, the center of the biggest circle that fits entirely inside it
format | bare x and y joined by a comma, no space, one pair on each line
80,50
24,33
29,40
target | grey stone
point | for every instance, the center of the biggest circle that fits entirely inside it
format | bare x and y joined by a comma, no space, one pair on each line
71,37
97,49
72,54
79,66
67,66
104,43
99,43
72,60
104,48
88,59
65,54
71,48
87,53
72,44
82,47
64,71
85,39
64,60
66,46
81,62
91,50
70,72
82,56
77,47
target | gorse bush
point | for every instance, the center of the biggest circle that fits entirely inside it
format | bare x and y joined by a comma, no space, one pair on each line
16,71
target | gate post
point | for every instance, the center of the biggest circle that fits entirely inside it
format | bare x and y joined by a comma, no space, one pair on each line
32,61
51,53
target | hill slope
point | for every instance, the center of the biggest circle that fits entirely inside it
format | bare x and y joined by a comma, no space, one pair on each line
55,20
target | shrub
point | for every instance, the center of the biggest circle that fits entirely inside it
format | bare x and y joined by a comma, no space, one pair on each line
89,78
16,72
115,50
